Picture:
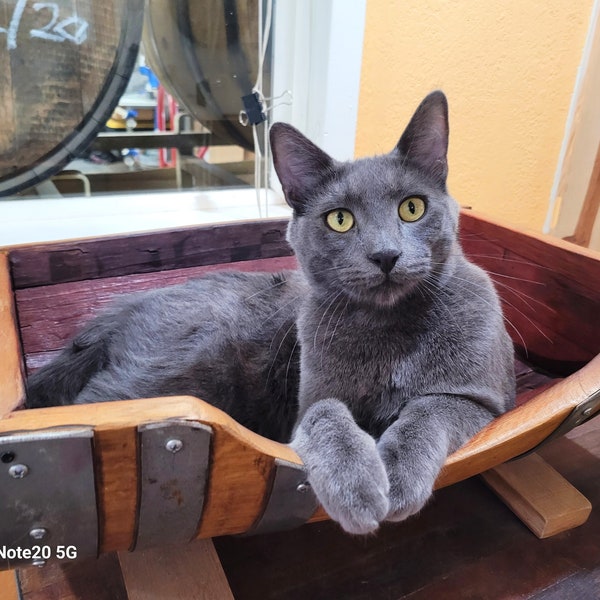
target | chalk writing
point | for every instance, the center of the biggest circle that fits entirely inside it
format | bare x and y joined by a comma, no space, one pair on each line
70,29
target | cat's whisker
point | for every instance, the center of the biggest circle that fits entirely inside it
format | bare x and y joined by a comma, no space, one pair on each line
540,331
432,289
524,297
335,297
506,319
289,363
274,337
334,329
282,307
267,378
490,272
266,289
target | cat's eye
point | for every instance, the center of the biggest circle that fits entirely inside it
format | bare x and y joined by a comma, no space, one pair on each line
411,209
340,220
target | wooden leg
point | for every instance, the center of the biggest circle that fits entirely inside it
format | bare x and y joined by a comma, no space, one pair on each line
542,498
8,586
187,572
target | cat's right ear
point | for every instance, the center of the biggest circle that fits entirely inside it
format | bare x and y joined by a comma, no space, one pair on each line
424,143
300,165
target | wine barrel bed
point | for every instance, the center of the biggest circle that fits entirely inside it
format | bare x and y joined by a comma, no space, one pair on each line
63,67
48,290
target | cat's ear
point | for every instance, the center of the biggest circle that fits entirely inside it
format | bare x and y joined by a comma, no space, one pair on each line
424,143
300,165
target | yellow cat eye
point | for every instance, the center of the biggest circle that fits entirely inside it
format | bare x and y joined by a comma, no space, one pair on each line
411,209
340,220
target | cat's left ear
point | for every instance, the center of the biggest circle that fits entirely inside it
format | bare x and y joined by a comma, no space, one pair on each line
424,143
300,165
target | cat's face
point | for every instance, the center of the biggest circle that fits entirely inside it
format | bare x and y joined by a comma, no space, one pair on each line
375,228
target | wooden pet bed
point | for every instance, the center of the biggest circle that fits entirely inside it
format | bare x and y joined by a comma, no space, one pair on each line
143,473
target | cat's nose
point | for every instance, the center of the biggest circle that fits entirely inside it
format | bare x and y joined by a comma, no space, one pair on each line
385,260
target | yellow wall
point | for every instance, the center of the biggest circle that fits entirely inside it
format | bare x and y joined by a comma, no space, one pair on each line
508,68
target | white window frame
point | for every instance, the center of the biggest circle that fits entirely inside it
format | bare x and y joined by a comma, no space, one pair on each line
317,55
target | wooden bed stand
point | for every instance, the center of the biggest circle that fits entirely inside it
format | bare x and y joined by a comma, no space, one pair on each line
213,477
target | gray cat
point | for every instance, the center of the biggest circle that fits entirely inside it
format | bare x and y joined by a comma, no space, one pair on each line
383,354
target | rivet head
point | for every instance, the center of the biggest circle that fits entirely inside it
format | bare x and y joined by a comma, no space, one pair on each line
587,411
38,562
174,446
303,487
38,533
18,471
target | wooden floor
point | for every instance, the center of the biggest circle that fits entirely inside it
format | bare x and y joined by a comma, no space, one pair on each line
465,545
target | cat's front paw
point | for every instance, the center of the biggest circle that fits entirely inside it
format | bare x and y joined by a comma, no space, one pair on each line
410,488
344,467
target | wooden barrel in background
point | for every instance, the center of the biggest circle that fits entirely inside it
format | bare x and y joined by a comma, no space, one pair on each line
63,68
205,53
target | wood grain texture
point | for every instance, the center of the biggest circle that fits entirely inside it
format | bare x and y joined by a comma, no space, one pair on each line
43,118
60,262
239,472
465,544
8,585
242,461
12,390
542,498
65,65
219,43
7,105
86,579
589,210
89,271
186,572
116,472
550,291
51,315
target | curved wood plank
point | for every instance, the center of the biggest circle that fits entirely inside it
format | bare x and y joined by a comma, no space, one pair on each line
517,431
239,473
523,428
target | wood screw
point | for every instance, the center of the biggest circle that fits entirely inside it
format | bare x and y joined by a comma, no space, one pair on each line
174,446
18,471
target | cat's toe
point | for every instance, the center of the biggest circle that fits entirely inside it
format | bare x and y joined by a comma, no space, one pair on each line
357,503
400,513
407,499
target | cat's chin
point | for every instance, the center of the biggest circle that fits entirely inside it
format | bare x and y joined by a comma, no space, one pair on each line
387,294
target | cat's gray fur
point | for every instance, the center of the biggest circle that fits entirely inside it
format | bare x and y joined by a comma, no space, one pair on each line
403,351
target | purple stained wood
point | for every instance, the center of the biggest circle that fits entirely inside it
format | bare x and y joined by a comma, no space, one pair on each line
51,315
61,262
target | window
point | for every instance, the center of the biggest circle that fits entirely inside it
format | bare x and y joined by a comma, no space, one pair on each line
123,181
